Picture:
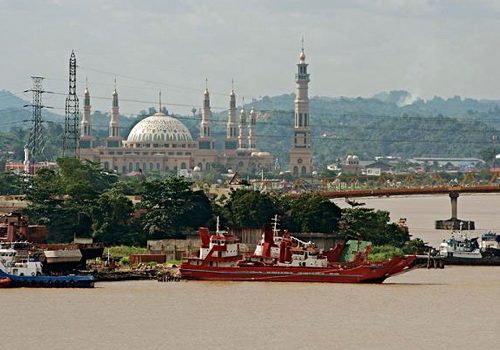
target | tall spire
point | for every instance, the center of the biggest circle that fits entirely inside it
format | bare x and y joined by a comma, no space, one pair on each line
159,102
206,124
251,129
231,142
301,153
86,124
114,122
243,121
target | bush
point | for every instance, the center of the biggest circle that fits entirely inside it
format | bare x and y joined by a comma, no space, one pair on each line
384,252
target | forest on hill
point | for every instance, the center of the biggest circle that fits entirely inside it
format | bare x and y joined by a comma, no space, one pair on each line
390,123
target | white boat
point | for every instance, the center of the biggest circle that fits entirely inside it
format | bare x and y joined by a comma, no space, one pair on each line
11,264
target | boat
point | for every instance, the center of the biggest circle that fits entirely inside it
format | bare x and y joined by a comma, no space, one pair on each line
27,272
461,250
5,282
490,244
283,258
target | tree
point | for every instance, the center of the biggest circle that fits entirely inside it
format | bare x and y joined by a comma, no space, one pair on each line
312,213
171,206
373,226
10,183
248,208
64,199
112,220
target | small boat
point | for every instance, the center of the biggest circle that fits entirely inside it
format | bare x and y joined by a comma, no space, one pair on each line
490,244
283,258
461,250
5,282
27,272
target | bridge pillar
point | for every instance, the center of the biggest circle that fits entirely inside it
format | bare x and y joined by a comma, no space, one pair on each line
454,223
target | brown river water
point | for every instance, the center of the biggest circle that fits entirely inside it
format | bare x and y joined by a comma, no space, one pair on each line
453,308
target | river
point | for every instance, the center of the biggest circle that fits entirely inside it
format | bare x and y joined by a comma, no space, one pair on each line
453,308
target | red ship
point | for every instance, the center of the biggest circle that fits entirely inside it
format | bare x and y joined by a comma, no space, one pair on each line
280,257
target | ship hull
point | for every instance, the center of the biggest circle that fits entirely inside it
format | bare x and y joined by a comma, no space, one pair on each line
369,273
484,261
49,281
5,282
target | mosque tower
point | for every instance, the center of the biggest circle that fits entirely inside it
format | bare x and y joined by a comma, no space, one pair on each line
206,141
86,139
242,144
231,141
251,129
207,155
114,123
301,153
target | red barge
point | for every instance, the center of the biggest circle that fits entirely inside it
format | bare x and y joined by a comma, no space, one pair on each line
280,257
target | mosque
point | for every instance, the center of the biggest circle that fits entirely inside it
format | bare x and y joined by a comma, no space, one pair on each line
162,144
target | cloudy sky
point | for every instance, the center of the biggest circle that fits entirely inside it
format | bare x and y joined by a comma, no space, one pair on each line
355,48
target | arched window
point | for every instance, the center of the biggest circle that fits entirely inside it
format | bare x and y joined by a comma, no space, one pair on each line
106,166
183,165
207,166
295,171
304,170
130,167
151,166
137,166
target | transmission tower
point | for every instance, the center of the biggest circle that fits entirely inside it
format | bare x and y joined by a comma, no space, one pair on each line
35,147
71,138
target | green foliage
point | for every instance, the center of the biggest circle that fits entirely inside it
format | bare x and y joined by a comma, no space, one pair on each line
10,184
248,208
312,213
384,253
124,251
65,200
171,207
414,246
112,220
370,225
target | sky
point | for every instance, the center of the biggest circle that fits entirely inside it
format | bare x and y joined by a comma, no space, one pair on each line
354,48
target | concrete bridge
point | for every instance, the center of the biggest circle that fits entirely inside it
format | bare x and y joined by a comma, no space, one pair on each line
387,192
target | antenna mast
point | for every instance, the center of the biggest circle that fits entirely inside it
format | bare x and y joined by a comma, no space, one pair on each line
71,137
35,147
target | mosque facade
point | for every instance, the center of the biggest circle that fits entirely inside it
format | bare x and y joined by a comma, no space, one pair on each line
162,144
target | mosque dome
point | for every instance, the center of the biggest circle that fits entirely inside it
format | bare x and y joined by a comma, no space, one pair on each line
159,127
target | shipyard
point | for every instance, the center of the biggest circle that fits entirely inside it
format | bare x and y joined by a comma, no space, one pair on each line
249,174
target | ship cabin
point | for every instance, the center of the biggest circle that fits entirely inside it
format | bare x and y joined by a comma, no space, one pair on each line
219,249
19,267
308,257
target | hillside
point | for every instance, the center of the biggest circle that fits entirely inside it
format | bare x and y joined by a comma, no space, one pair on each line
390,123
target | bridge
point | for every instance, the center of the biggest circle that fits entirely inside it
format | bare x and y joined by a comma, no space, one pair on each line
387,192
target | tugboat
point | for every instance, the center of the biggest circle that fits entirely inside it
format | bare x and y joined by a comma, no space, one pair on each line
490,244
461,250
283,258
28,273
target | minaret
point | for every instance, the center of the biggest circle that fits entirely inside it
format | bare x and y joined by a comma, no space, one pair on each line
301,153
251,129
231,141
86,139
206,140
86,126
114,122
243,121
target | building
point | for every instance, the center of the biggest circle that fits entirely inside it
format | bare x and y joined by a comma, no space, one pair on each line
301,159
162,144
